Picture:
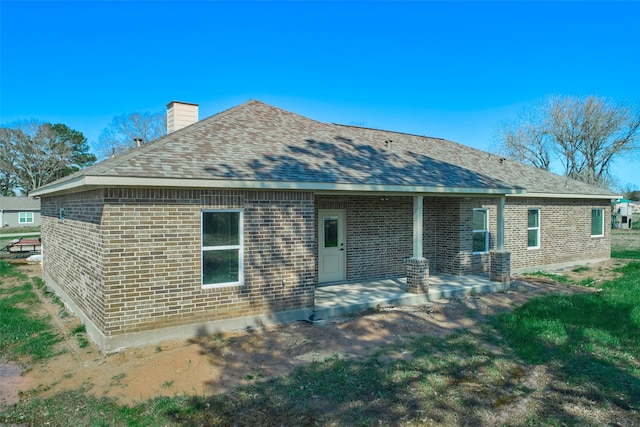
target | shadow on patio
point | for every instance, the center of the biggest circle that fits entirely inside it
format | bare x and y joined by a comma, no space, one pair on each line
336,300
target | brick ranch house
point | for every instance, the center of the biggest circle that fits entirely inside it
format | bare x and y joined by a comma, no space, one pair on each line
234,220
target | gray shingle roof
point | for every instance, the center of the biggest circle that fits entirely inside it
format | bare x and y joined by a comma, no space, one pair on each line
19,204
257,142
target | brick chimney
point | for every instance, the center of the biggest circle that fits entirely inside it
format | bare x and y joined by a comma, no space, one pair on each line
181,114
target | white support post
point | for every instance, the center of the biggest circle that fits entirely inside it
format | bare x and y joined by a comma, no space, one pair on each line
500,236
417,266
417,226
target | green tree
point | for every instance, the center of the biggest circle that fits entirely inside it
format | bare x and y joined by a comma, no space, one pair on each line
632,195
79,147
36,153
584,135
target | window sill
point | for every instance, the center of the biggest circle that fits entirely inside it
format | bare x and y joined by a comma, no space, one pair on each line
223,285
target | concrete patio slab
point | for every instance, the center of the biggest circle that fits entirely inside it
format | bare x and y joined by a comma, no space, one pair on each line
337,300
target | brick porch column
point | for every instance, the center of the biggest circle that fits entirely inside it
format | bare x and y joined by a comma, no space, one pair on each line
417,275
501,266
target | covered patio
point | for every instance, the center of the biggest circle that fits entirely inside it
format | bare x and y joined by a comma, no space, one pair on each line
339,299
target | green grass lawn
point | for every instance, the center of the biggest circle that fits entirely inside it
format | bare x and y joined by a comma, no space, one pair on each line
22,333
625,244
557,360
18,230
592,340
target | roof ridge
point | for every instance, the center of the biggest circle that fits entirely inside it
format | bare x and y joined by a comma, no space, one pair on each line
388,131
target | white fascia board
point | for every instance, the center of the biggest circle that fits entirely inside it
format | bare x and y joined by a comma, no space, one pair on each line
424,191
92,182
63,187
562,196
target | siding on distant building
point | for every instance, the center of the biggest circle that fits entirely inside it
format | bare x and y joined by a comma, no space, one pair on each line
19,212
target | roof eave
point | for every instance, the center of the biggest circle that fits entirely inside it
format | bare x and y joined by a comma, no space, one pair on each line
563,196
86,183
67,186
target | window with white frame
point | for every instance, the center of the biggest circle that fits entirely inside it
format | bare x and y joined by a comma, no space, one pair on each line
25,217
597,222
533,228
480,230
222,248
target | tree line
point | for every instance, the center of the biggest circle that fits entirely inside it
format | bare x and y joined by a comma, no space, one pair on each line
584,136
35,153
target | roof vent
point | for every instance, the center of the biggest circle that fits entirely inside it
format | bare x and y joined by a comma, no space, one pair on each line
180,115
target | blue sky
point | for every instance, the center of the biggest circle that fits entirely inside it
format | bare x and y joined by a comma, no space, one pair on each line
446,69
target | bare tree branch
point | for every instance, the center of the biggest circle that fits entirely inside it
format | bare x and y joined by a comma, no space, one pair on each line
522,141
585,135
124,129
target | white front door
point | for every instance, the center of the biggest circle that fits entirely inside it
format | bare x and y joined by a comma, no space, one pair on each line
332,245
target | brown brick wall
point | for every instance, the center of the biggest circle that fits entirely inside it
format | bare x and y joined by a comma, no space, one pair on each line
448,235
379,237
151,257
130,258
562,220
565,231
430,232
72,249
449,229
380,234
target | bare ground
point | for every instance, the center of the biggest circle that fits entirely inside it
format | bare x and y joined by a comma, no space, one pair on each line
219,363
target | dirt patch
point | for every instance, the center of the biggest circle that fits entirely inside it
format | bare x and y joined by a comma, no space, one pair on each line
11,382
219,363
593,274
